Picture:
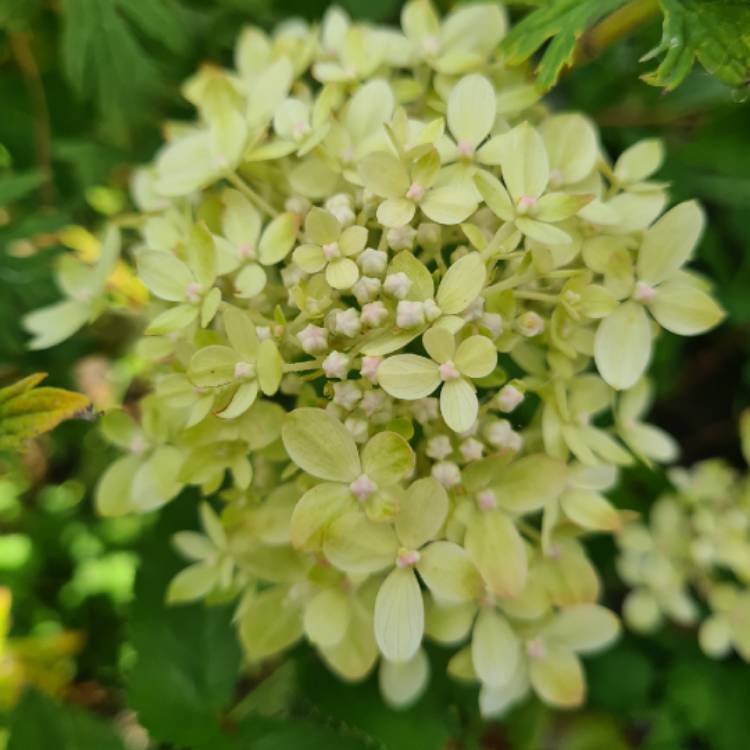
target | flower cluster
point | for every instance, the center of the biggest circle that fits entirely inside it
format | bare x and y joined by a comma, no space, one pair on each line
691,563
400,323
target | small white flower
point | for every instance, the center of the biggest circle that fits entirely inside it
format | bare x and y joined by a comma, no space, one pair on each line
263,332
373,402
471,449
439,447
369,368
508,398
373,262
425,410
366,289
297,205
530,324
409,314
336,365
501,435
346,322
340,205
358,429
493,322
374,314
292,275
346,395
475,310
431,310
401,238
313,339
397,285
447,473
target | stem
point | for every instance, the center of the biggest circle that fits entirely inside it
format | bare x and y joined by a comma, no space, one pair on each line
302,366
617,25
246,190
19,43
537,296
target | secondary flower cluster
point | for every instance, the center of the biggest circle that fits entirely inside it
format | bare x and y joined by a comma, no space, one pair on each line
401,318
691,563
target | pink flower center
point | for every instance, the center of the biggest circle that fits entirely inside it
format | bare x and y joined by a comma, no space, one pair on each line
535,649
525,202
487,500
331,250
465,149
643,292
243,370
246,250
362,487
448,371
407,557
415,192
192,291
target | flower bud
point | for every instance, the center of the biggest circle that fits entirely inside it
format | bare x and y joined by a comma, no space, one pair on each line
313,339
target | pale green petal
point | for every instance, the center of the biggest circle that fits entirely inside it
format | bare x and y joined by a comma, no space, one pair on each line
277,239
174,319
449,573
472,32
462,284
422,513
240,222
119,428
402,683
529,483
488,532
622,347
53,324
651,442
471,109
209,307
419,20
241,401
685,310
494,702
166,276
370,106
240,331
387,458
315,511
155,483
309,258
399,616
396,212
640,161
422,286
356,545
449,624
192,583
342,273
476,357
558,678
270,367
439,343
547,234
356,654
320,445
270,622
583,628
670,242
448,205
384,175
213,366
268,89
408,376
637,210
322,227
525,167
458,404
559,206
250,281
495,649
495,195
113,493
353,240
590,510
327,617
572,146
201,255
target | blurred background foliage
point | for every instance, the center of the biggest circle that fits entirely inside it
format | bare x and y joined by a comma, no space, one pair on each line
85,86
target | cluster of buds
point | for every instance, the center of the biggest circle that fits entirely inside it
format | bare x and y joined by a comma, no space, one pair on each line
691,563
400,322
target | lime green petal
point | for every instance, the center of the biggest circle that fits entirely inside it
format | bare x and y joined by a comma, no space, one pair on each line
277,239
422,513
408,376
399,615
242,400
387,458
192,583
558,678
384,175
309,258
113,493
357,546
240,331
572,145
476,357
524,165
471,109
155,483
342,273
269,623
685,310
622,347
356,654
495,195
213,366
396,212
401,684
448,205
250,281
327,616
495,649
640,161
458,404
240,222
322,227
583,628
462,284
439,343
315,511
488,532
320,445
166,276
547,234
670,242
449,624
53,324
270,367
590,510
529,483
353,240
449,573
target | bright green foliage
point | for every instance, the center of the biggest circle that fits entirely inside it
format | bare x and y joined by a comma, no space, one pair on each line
714,33
358,225
27,411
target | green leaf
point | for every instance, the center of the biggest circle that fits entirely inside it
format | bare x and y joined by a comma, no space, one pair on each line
713,32
27,411
15,186
562,22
